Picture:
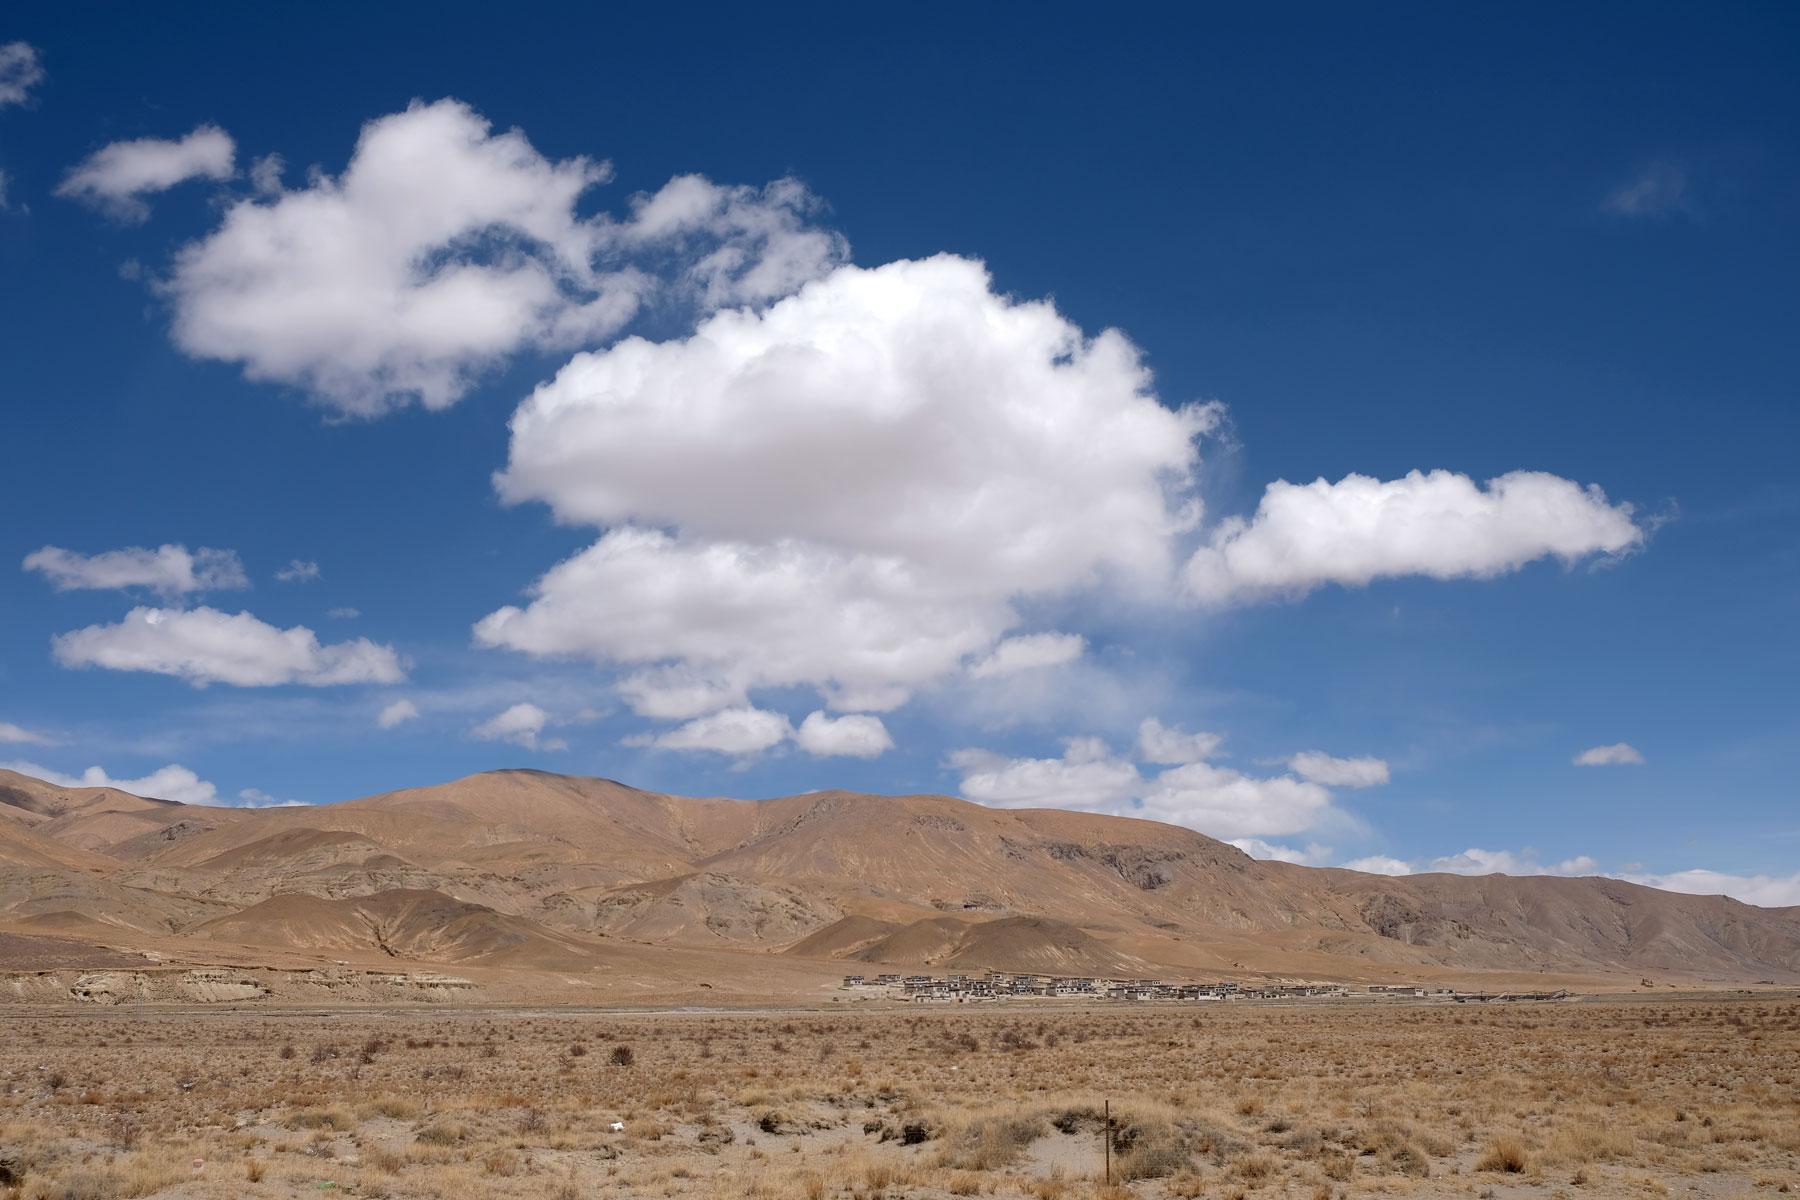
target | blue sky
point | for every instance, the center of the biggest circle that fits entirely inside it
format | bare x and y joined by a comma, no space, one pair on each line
1315,428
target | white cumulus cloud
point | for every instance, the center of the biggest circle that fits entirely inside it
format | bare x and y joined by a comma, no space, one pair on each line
1157,743
853,736
1620,754
1224,803
522,725
21,69
1765,891
735,731
1087,776
1029,652
847,490
397,713
298,571
444,247
169,570
1441,525
1379,864
204,645
173,782
1475,861
742,245
1313,855
1218,801
1339,772
114,177
1768,891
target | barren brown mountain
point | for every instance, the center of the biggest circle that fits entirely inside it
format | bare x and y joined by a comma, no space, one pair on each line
585,887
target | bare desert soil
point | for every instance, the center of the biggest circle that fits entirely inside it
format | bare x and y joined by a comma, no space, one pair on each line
1694,1097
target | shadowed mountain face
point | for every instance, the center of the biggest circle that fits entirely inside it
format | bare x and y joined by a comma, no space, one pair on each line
528,871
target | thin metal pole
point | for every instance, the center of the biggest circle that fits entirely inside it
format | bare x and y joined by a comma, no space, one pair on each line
1109,1143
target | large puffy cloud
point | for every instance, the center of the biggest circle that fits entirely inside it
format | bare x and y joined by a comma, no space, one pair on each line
170,570
115,176
204,645
173,782
730,616
1619,754
1218,801
444,247
20,71
1441,525
905,411
847,490
441,249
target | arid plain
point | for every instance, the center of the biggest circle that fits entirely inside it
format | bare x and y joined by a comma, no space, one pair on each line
1693,1095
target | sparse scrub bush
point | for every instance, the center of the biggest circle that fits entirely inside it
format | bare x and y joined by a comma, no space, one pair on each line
84,1183
338,1120
442,1133
988,1143
1504,1154
393,1107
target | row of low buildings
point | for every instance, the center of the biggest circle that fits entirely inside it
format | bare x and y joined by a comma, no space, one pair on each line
997,985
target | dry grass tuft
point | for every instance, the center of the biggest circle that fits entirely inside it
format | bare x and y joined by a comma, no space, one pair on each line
1504,1154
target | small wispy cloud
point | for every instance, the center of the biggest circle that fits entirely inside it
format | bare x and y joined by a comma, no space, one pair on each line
1658,190
399,712
114,177
21,69
169,570
298,571
521,725
18,736
1618,755
257,798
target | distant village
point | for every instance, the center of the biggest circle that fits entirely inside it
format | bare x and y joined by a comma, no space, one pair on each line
996,985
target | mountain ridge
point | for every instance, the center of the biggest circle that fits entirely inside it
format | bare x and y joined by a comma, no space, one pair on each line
529,871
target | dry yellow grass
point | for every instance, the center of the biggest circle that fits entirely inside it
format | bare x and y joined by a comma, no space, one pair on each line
1324,1102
